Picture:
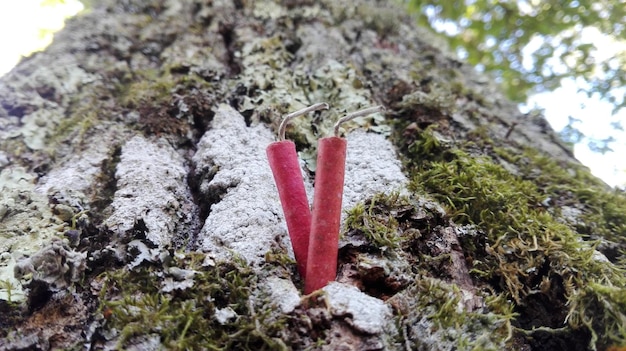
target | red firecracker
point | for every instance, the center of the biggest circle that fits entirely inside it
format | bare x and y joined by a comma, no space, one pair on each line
283,161
323,242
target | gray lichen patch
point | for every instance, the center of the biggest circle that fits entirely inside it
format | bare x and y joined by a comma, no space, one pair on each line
283,294
152,186
366,314
194,53
312,35
245,216
36,125
320,66
35,99
72,185
372,167
26,224
32,212
56,264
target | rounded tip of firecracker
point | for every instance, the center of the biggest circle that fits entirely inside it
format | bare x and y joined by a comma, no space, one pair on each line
359,113
283,124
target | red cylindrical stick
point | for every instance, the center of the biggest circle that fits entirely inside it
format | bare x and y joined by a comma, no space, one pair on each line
283,161
286,169
324,240
326,217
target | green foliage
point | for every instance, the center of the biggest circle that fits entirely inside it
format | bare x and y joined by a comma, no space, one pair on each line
493,34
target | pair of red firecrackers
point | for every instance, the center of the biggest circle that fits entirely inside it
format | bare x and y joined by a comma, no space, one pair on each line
314,234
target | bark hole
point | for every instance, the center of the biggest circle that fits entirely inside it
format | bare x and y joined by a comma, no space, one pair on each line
107,184
206,196
227,31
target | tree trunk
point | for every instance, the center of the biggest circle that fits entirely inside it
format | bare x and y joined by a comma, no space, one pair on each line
138,210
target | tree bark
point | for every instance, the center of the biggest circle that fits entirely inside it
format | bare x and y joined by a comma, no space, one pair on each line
138,209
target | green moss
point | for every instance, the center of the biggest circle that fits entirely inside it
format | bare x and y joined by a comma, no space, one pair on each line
74,127
527,254
147,86
431,306
604,209
426,305
375,219
280,259
187,317
438,97
156,87
7,288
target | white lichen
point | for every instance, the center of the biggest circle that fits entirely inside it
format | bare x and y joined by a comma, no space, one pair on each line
283,294
152,186
372,167
247,219
366,314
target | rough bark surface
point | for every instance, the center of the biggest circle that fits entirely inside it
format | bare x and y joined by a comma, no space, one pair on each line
138,210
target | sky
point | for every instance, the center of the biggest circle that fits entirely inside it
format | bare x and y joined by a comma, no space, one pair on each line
595,122
594,116
26,26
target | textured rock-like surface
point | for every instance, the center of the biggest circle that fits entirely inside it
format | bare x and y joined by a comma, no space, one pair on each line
27,223
368,314
283,294
152,187
245,217
75,178
372,167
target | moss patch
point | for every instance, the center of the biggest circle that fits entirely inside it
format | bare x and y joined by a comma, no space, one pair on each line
433,307
602,210
422,275
553,277
190,306
376,220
